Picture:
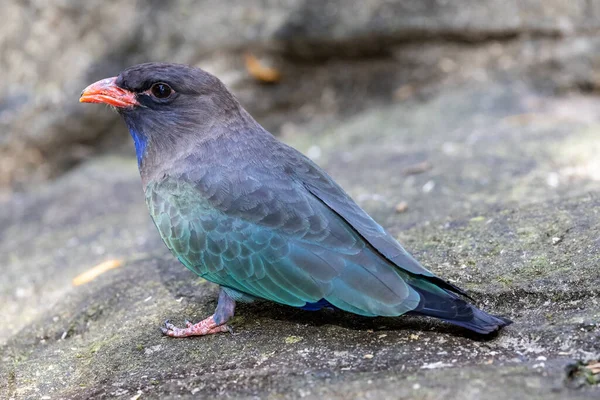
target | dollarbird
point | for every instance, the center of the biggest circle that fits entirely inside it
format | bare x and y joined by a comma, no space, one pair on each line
258,218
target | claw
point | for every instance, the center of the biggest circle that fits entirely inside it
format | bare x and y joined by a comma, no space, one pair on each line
208,326
168,328
204,327
169,325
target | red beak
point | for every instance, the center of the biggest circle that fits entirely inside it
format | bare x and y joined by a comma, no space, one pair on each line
107,92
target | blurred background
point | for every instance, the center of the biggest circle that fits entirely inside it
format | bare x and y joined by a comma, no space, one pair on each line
332,60
468,128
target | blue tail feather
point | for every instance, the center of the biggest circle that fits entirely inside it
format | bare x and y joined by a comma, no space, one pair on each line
318,305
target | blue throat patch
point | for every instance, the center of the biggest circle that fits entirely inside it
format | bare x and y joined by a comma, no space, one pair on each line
140,141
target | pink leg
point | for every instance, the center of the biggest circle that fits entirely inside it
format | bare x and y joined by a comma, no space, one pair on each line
216,323
205,327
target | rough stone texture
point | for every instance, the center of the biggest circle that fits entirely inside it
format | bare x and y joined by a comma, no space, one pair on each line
500,180
52,50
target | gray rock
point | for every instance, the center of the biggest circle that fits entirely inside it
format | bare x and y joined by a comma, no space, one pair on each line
511,215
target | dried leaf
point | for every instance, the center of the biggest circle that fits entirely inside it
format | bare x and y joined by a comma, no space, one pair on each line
401,207
261,72
404,92
96,271
594,367
417,168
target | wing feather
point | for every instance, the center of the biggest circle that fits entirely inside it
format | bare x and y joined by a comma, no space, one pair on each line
269,235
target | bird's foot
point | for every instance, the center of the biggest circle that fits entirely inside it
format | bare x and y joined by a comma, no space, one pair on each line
205,327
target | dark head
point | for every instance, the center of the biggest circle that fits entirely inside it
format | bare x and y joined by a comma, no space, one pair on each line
167,107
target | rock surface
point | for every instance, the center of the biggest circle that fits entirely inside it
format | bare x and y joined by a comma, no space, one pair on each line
500,182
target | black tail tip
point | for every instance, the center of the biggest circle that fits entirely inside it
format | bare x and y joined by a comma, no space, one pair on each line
483,323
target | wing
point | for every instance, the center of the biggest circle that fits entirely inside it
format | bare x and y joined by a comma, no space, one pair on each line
259,232
323,187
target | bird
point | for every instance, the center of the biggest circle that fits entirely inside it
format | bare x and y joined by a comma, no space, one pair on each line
255,216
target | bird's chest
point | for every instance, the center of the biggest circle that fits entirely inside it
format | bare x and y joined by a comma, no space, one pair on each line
201,237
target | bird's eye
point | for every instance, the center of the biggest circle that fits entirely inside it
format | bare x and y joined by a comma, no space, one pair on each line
161,90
